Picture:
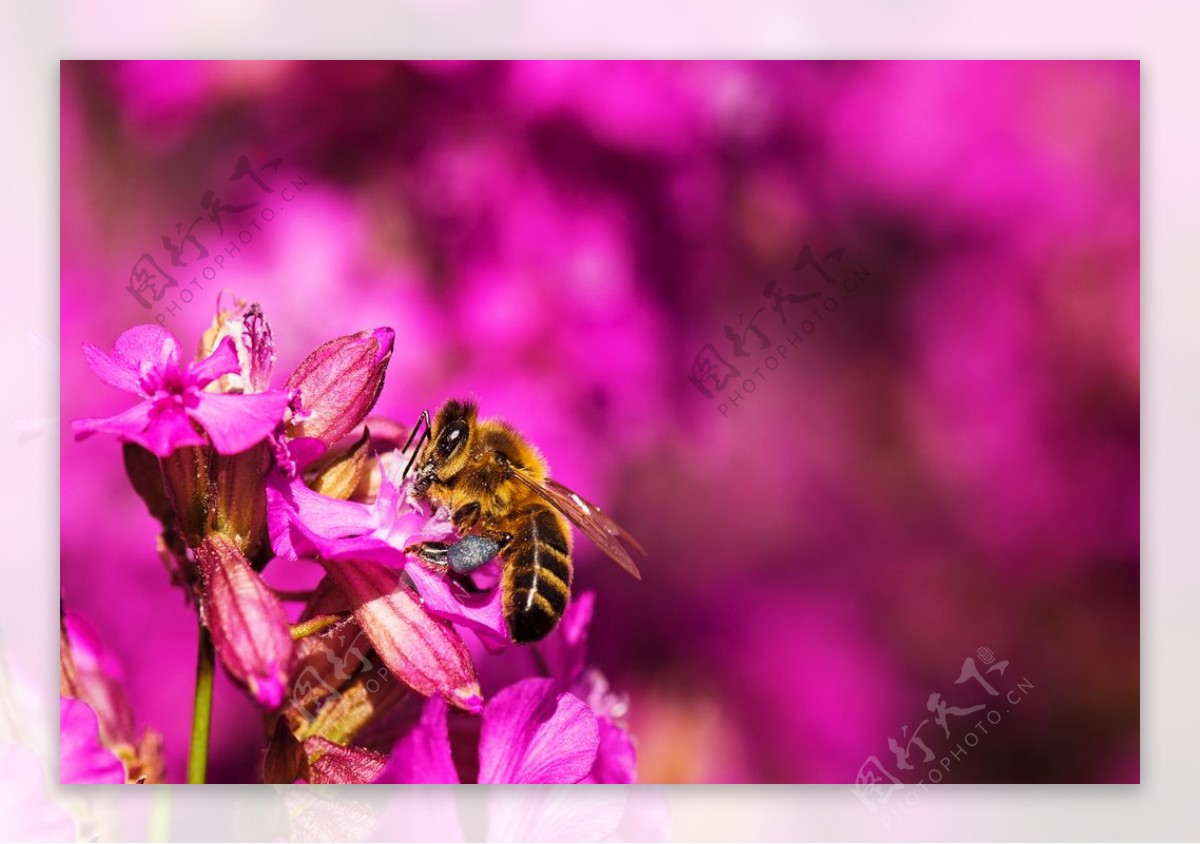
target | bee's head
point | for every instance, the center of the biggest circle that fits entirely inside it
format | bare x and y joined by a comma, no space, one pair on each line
446,451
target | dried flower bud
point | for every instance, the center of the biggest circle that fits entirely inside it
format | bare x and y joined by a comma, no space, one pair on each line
284,756
337,385
249,627
259,345
329,763
328,662
255,346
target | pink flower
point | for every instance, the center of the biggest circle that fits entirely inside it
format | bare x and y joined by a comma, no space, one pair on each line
146,361
565,656
91,675
304,523
83,758
530,733
224,467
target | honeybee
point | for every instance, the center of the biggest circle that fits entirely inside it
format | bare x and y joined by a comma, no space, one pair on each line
495,485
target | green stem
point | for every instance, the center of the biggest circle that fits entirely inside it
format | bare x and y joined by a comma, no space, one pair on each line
316,625
202,709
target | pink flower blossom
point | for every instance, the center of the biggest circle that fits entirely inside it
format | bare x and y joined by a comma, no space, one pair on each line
290,477
304,523
83,758
565,657
146,361
91,675
530,734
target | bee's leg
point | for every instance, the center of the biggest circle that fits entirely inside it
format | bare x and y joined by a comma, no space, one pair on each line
471,552
462,557
433,554
438,554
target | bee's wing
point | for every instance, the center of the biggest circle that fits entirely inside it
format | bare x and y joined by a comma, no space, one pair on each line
590,519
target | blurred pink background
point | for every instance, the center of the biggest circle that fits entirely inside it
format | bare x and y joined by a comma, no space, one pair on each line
949,461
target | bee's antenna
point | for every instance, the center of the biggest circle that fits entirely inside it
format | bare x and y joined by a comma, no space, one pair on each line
423,420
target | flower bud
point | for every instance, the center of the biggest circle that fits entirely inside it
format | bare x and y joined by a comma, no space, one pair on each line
327,662
249,627
91,674
337,385
426,654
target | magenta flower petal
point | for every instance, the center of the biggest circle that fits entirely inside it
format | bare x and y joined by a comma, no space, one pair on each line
565,650
422,756
137,351
130,424
159,428
532,734
83,759
483,614
616,758
423,652
147,344
114,372
222,361
236,422
145,361
170,428
292,504
249,627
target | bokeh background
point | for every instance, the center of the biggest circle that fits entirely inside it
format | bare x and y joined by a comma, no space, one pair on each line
949,461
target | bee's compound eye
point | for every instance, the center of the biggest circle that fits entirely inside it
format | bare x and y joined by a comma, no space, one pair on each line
454,436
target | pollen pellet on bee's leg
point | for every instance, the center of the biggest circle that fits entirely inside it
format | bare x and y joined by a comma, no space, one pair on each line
471,552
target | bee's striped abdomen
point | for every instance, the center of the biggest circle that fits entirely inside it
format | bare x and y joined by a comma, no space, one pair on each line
537,573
